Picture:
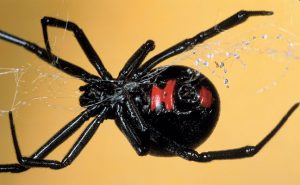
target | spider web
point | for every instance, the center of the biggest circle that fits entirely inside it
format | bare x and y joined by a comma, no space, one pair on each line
31,85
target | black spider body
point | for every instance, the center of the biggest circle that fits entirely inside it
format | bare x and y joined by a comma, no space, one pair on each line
188,122
165,111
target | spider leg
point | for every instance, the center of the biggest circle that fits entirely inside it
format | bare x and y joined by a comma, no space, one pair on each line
64,133
242,152
14,168
127,126
52,143
81,142
132,124
82,40
187,44
51,59
135,60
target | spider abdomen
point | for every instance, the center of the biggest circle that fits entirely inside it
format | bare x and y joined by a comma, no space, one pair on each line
184,107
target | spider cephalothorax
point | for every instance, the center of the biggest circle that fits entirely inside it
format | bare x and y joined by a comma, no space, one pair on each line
165,111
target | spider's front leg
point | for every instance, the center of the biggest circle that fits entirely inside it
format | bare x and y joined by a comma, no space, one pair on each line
82,40
135,60
43,54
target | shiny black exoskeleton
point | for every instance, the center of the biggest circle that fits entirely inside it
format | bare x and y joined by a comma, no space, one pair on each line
185,111
193,112
165,111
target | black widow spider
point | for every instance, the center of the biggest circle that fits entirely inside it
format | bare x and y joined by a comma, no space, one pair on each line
166,111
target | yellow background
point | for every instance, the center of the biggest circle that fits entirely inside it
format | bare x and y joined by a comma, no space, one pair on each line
116,29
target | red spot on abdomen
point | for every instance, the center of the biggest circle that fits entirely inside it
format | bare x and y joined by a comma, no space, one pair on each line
159,96
206,98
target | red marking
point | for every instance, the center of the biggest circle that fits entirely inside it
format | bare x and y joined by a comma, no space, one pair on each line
206,98
165,96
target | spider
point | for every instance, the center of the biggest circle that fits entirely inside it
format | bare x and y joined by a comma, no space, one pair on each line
167,111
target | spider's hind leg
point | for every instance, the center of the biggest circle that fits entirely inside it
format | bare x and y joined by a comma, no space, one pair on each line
27,162
135,136
132,124
189,43
236,153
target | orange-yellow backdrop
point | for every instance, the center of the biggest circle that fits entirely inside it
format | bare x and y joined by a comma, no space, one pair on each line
116,29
